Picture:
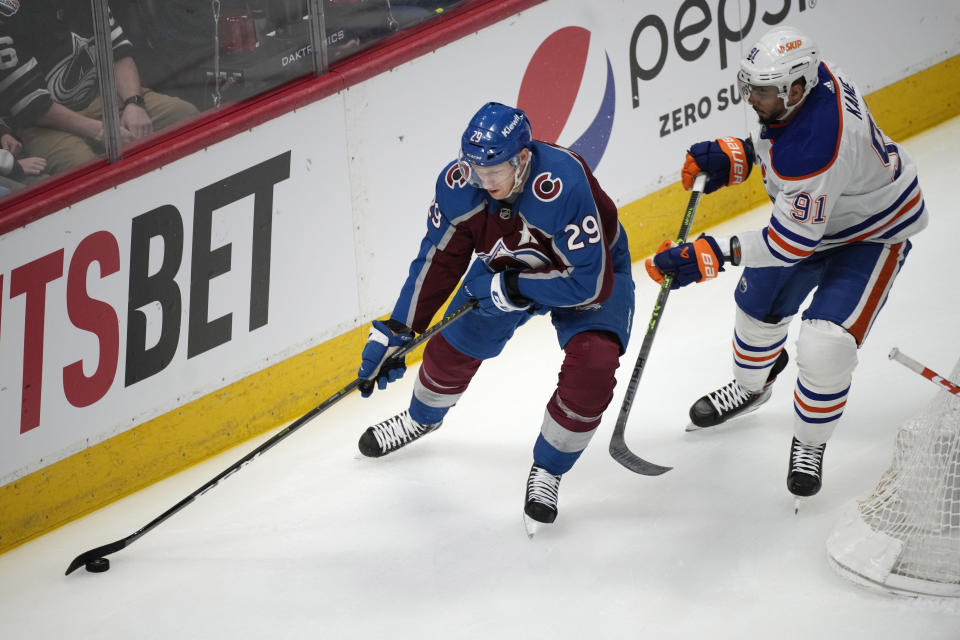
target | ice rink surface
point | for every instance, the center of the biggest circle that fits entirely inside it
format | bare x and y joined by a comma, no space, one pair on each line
312,541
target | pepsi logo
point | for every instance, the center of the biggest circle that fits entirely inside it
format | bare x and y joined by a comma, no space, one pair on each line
551,88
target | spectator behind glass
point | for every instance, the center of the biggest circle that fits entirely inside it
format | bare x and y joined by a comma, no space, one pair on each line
16,172
49,84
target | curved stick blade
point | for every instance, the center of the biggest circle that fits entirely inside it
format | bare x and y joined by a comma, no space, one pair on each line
85,557
633,462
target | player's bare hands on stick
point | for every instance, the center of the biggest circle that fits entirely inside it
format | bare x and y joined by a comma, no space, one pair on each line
378,365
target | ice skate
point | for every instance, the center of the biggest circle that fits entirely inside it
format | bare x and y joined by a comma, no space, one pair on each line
391,434
805,473
540,507
732,400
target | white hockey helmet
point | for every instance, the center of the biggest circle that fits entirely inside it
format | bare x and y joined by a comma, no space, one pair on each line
782,56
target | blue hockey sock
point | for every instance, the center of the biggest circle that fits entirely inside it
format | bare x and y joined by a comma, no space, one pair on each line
552,459
425,414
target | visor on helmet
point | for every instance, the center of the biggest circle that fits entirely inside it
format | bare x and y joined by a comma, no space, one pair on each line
481,176
760,91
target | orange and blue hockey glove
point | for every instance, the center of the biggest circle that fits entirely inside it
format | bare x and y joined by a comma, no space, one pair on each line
689,262
726,161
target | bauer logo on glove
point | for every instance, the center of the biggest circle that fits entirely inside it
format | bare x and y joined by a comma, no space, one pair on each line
689,262
726,161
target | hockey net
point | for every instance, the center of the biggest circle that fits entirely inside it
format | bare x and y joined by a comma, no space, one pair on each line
905,537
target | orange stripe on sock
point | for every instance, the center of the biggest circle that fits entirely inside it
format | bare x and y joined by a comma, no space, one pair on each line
743,356
803,405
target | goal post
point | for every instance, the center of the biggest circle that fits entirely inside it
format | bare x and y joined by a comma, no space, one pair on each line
904,538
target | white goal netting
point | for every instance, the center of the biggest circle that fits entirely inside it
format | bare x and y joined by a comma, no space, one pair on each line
905,537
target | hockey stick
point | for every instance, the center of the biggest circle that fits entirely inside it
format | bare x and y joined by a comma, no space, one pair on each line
97,555
618,445
929,374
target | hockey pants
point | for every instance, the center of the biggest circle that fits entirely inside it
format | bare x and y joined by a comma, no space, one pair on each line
852,283
592,339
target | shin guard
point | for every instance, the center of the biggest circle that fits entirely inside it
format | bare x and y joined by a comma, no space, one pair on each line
826,358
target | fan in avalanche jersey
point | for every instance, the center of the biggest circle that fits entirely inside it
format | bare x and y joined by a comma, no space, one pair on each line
546,239
845,201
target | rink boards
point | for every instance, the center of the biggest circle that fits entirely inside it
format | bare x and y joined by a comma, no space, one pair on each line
159,322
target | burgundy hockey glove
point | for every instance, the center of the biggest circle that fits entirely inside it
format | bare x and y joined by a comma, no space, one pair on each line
726,161
690,262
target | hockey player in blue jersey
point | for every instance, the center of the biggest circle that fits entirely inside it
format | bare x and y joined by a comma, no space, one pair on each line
546,239
845,201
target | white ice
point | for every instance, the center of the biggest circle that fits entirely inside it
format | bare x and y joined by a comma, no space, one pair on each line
312,541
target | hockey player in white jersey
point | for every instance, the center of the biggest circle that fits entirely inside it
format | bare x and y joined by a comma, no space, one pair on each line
845,201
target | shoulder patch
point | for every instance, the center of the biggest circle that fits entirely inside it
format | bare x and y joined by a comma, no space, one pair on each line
457,175
546,187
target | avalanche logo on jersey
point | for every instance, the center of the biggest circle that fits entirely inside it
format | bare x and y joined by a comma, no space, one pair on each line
501,257
546,187
562,75
526,255
457,175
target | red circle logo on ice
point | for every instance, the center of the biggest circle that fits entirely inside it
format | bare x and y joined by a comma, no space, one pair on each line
550,88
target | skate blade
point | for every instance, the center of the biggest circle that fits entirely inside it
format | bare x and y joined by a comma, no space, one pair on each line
531,526
797,502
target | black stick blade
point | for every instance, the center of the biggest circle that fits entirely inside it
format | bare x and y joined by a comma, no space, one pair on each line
85,557
635,463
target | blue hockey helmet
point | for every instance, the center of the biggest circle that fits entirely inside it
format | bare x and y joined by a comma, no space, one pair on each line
496,134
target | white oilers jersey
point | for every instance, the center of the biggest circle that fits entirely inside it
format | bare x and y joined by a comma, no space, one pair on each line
834,179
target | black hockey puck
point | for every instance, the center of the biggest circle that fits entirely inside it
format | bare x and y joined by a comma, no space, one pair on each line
98,565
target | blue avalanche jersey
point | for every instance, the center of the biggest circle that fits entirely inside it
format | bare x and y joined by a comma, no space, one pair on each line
561,233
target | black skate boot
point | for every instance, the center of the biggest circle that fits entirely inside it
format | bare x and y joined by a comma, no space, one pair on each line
543,490
805,473
732,400
393,433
